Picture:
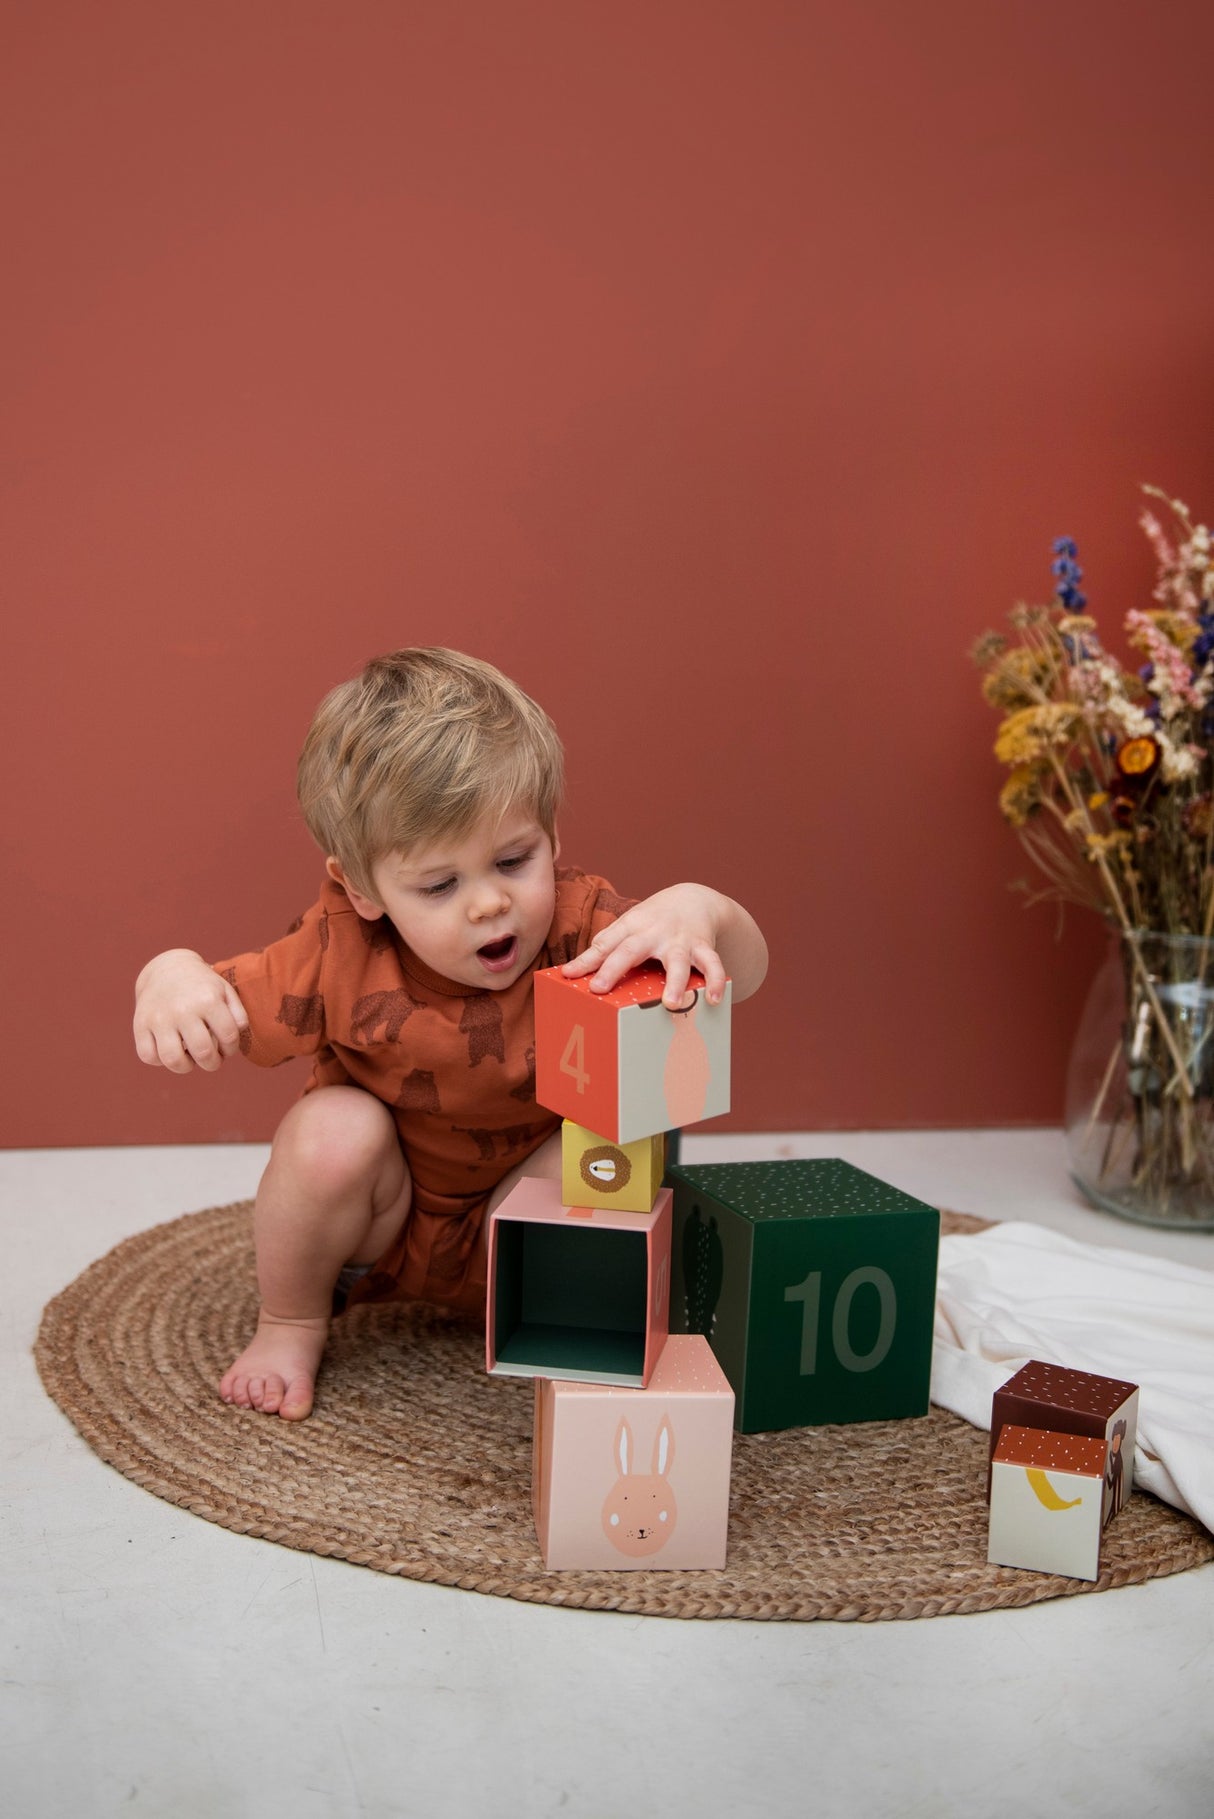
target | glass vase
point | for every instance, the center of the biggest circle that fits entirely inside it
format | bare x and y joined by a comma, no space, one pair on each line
1140,1085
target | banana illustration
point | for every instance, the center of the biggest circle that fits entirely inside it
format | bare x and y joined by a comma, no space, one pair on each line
1045,1491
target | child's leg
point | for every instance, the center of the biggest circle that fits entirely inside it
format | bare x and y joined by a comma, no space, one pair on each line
544,1163
336,1191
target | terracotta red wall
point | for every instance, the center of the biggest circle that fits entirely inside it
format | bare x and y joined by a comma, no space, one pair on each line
718,370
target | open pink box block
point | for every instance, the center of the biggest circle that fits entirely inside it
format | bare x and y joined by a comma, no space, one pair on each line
636,1478
576,1292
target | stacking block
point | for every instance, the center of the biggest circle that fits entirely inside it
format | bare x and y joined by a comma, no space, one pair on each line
815,1284
594,1172
1064,1401
635,1478
576,1292
620,1063
1047,1496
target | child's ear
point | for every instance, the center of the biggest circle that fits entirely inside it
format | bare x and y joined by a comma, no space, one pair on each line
367,909
556,844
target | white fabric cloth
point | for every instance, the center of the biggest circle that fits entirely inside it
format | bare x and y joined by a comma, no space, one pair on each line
1019,1291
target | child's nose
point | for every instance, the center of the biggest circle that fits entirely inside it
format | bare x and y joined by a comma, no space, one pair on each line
491,900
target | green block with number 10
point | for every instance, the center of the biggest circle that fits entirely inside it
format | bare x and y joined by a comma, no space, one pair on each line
815,1285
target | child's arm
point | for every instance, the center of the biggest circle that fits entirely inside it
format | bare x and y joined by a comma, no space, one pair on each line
269,1004
684,926
186,1016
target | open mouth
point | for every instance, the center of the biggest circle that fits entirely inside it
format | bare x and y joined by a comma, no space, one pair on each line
498,956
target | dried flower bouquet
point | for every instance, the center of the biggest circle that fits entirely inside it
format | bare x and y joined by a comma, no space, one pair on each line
1111,790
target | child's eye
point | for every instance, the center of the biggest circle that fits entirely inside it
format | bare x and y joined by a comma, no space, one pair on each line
438,890
514,862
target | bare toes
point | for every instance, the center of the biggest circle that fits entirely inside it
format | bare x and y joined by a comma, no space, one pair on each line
271,1396
296,1401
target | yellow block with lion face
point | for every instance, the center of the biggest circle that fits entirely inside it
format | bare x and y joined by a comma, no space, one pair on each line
595,1172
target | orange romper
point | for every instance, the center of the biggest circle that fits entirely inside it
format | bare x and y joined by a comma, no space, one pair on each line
455,1064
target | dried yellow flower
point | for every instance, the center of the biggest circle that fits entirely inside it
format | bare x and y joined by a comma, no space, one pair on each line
988,647
1020,796
1027,735
1108,846
1016,680
1175,627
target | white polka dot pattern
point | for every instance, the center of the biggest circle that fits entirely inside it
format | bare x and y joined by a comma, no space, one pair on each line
796,1189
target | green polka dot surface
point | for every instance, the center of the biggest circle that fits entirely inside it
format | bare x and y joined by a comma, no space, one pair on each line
797,1189
813,1282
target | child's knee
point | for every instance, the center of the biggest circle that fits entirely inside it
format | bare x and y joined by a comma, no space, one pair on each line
339,1137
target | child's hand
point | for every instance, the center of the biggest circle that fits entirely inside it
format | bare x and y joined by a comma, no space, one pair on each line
680,926
186,1016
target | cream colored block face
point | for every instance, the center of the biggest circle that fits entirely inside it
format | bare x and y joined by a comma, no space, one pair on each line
1121,1436
674,1065
1047,1499
595,1172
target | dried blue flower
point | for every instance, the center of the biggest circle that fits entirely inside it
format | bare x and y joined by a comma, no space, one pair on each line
1203,644
1068,574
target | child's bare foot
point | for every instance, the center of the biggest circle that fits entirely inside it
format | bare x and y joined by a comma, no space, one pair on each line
276,1373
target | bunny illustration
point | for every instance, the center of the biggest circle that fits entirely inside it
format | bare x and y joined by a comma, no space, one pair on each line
640,1512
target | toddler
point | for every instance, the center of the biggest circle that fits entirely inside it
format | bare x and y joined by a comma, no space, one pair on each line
431,783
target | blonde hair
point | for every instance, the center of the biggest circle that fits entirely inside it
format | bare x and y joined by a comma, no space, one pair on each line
423,745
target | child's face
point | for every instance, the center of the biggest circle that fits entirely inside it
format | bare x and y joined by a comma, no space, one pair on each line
476,909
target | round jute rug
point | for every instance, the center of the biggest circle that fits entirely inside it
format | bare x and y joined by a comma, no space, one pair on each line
417,1463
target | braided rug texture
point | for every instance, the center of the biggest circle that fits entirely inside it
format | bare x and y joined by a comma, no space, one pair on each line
416,1462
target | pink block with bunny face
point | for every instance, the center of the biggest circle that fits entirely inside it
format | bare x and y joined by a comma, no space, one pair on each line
629,1478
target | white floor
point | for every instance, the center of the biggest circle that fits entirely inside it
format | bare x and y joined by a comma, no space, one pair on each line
155,1664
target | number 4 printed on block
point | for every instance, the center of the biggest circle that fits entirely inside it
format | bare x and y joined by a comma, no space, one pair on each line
573,1061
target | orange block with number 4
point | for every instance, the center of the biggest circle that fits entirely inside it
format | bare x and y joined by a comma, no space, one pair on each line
620,1063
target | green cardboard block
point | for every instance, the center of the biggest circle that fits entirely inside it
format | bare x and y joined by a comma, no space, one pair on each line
815,1285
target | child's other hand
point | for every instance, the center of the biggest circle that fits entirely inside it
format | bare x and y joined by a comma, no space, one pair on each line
186,1016
678,926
